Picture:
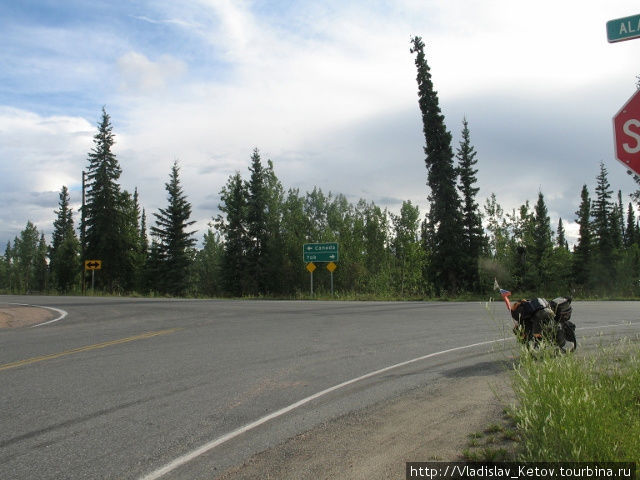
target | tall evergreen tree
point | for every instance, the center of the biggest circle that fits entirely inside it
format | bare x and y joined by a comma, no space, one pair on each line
446,269
64,261
106,215
617,222
26,255
208,265
631,231
294,228
275,246
257,225
542,240
10,267
41,265
175,241
472,221
583,251
561,239
604,224
232,223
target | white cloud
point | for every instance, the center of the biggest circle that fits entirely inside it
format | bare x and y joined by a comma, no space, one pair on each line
142,75
41,153
38,155
327,90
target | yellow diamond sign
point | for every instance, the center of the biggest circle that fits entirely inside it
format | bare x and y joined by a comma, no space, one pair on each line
331,266
93,264
311,267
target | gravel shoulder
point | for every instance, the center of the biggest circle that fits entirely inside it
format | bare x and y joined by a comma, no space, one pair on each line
15,316
430,423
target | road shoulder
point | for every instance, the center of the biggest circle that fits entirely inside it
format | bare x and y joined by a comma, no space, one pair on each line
15,316
430,423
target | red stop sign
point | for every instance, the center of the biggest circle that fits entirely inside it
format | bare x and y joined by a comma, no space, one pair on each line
626,133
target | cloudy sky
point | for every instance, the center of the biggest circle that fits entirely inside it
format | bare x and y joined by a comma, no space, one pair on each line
325,89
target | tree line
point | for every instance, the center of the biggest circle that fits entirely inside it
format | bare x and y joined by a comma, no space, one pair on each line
254,246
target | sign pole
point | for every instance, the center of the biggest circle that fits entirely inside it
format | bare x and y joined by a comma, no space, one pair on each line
310,268
93,273
332,284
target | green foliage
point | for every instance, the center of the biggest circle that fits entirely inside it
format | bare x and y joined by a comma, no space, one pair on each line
107,214
446,267
604,224
253,247
474,239
64,253
232,224
207,267
407,252
174,244
573,408
583,252
24,267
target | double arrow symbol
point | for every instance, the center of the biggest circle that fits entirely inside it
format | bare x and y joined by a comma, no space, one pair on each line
93,264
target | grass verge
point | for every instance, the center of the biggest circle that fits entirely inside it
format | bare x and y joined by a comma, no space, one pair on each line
579,407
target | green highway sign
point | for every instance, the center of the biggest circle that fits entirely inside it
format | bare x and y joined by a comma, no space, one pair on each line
622,29
320,252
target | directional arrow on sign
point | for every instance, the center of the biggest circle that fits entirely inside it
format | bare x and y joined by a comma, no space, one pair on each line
320,252
93,264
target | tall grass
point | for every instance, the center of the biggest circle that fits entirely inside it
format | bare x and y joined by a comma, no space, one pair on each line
579,407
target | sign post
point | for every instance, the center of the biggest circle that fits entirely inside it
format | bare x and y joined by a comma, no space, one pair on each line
331,267
626,133
92,265
311,267
320,252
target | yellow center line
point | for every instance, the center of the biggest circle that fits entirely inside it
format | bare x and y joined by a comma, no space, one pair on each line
86,348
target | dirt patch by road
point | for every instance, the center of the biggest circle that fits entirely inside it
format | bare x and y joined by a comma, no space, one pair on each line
431,423
13,316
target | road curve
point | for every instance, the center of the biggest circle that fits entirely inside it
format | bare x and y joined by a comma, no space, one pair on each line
121,388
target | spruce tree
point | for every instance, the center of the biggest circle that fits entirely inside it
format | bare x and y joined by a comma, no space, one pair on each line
232,223
583,251
64,261
257,226
41,265
631,233
472,222
561,239
275,243
617,223
604,224
445,218
174,241
542,241
208,265
27,256
105,214
9,261
138,238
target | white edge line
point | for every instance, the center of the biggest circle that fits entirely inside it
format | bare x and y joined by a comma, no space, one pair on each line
225,438
61,312
184,459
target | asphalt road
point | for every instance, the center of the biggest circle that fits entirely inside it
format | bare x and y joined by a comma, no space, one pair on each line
120,387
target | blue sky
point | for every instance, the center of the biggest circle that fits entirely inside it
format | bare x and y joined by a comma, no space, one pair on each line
324,89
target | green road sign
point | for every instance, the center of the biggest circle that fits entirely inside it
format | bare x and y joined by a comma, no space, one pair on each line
320,252
623,29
